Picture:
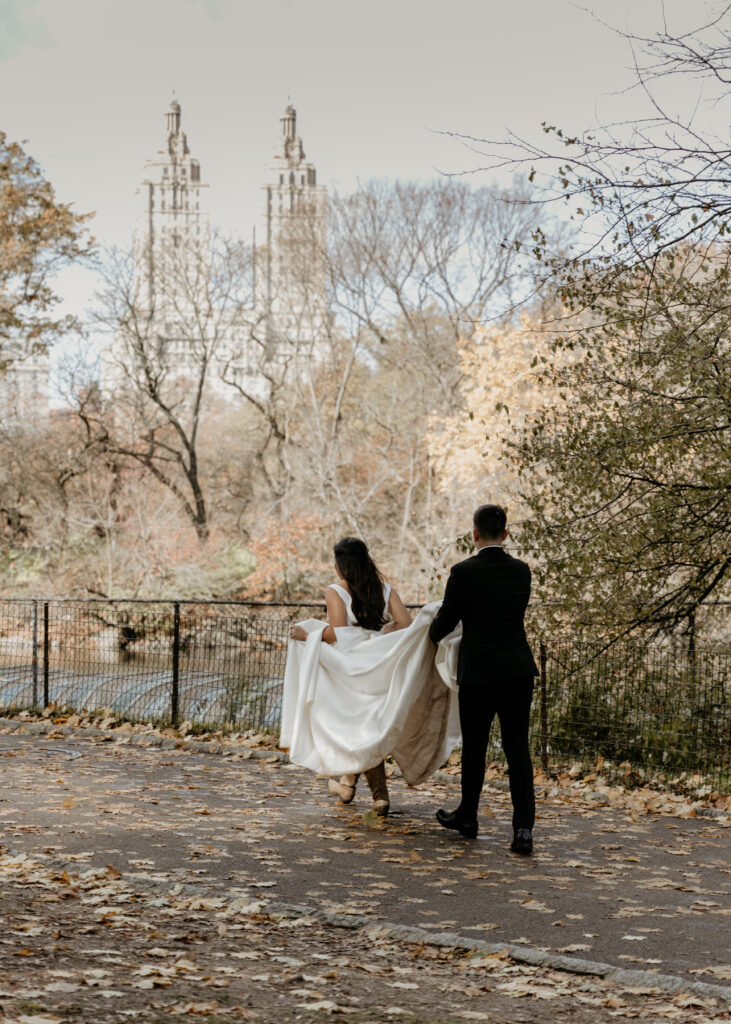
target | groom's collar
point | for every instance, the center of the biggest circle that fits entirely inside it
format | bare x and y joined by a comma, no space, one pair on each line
489,547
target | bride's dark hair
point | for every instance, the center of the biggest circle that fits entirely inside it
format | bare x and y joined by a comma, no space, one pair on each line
364,582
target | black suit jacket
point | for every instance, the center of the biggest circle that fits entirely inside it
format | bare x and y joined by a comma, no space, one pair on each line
488,593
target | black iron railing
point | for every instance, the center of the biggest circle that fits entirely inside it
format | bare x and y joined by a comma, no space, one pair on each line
213,663
634,710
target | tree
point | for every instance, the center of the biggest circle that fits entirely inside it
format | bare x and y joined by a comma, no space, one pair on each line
370,312
169,347
337,374
412,269
628,484
38,236
640,188
502,392
50,478
421,265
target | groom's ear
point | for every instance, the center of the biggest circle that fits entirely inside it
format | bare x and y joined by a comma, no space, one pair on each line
475,536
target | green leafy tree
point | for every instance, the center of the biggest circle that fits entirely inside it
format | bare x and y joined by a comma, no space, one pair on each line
628,481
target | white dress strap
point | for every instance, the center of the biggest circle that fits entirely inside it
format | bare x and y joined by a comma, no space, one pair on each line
347,601
341,592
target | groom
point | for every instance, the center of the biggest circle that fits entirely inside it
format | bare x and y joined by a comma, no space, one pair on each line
488,594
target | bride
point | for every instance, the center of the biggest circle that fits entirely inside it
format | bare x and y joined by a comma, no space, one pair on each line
365,685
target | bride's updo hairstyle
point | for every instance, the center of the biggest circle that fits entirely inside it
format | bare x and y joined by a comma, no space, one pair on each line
364,582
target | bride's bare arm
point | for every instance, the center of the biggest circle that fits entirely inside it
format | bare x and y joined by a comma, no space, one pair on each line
400,613
336,616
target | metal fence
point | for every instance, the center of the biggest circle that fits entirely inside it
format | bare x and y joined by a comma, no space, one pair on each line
636,711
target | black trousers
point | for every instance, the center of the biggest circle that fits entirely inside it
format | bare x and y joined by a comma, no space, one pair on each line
510,700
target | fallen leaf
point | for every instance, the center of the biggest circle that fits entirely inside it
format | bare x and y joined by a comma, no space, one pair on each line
327,1005
193,1008
36,1019
537,905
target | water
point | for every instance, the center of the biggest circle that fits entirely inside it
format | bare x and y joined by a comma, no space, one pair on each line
141,688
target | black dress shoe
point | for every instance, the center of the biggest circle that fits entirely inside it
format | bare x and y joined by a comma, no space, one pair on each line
522,841
451,819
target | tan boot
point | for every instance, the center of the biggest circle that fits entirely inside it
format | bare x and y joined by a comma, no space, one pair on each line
344,787
376,779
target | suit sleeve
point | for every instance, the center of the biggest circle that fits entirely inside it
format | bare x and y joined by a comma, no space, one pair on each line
449,614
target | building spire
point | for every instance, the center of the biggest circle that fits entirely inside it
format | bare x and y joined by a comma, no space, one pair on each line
170,212
289,125
172,117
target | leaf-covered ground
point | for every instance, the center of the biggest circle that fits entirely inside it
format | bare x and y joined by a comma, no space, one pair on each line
87,946
643,884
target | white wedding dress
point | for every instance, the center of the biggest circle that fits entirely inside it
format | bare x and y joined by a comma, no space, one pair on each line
369,695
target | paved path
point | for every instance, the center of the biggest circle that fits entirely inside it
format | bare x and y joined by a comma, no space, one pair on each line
650,894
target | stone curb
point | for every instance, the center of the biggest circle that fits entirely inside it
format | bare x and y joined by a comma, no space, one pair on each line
10,726
667,984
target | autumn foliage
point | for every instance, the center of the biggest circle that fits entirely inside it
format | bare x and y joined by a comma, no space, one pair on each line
38,235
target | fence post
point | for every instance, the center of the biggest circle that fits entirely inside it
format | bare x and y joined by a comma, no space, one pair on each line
544,709
175,694
46,700
35,654
695,703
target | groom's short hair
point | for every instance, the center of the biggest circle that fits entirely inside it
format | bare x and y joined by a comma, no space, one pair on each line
490,521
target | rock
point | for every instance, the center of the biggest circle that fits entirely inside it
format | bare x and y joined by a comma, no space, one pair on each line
108,644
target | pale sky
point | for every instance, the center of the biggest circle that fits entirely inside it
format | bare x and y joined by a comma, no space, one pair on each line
87,82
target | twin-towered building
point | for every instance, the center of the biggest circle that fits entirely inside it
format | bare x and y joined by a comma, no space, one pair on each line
173,243
172,194
171,260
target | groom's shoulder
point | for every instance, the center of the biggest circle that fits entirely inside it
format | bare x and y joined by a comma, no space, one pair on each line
518,564
458,569
466,567
475,563
505,560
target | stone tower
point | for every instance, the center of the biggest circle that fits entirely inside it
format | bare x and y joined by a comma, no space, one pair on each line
294,222
172,225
